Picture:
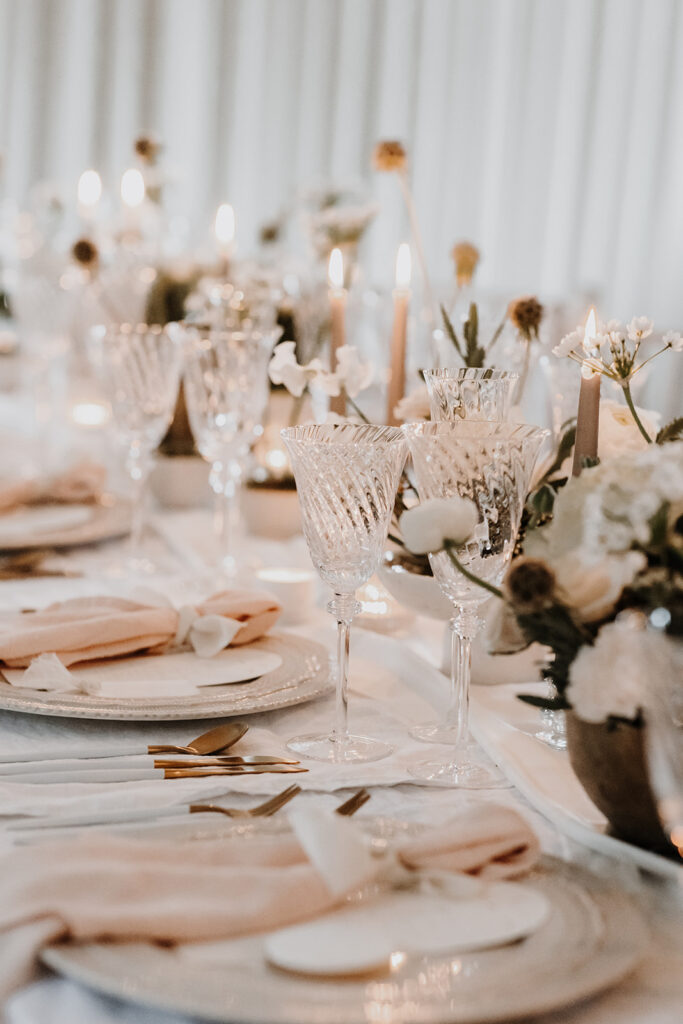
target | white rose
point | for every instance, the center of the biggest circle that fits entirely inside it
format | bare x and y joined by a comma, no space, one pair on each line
618,432
427,527
613,676
592,591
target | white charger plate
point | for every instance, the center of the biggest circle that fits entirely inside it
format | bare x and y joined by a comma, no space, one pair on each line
302,675
593,937
64,526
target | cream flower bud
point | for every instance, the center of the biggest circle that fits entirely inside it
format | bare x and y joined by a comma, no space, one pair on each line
432,524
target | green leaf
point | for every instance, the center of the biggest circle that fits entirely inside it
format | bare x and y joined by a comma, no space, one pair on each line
672,431
547,703
450,331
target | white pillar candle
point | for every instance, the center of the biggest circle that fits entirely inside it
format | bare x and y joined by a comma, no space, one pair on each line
337,296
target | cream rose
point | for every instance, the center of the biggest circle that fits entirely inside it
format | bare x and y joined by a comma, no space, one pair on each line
593,590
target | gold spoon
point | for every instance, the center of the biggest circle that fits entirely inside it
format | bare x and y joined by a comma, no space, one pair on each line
211,742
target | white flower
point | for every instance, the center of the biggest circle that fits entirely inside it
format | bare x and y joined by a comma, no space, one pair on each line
427,527
284,369
570,343
609,507
640,327
353,374
618,432
613,676
593,590
674,339
414,405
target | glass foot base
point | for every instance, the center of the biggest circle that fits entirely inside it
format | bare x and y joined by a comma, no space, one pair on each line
461,774
556,740
347,751
435,732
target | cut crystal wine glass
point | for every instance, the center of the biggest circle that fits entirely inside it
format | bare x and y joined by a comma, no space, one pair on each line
490,464
346,477
469,393
226,390
139,365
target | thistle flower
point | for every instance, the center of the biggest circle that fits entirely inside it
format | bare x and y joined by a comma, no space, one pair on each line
84,252
526,315
466,258
389,155
147,148
529,585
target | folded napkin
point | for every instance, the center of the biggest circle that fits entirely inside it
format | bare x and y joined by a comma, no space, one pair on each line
79,484
103,886
88,628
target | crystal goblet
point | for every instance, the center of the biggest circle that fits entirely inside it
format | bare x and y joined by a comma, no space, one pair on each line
489,463
346,478
469,393
139,366
226,390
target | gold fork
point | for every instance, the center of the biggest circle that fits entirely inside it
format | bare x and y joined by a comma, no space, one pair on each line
263,810
354,803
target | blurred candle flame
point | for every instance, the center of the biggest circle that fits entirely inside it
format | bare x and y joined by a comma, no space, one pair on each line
132,187
335,270
403,267
89,188
224,226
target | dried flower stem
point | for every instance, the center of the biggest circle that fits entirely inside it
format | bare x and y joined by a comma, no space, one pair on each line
626,387
521,383
417,239
449,547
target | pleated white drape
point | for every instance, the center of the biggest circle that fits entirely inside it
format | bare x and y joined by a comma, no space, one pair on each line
550,132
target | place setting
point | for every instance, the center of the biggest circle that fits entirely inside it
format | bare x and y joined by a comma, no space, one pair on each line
341,515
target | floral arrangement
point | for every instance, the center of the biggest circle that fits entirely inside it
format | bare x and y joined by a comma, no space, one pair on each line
614,352
590,582
337,217
350,377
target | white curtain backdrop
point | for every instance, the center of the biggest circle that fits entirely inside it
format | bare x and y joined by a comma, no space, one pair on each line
549,132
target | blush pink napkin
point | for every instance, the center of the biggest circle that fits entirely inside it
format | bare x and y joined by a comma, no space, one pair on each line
88,628
100,887
81,483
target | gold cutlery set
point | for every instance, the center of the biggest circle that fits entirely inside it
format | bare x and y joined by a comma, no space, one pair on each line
204,756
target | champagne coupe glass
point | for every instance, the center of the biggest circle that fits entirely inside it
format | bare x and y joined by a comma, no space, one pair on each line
139,366
346,478
226,390
469,393
489,463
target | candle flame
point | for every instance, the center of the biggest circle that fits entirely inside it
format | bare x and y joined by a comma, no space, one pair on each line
224,226
403,267
335,270
589,332
132,187
89,188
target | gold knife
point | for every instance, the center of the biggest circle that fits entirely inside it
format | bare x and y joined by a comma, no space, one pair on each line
200,773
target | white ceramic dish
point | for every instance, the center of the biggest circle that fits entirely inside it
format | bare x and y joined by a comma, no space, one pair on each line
71,526
591,939
302,675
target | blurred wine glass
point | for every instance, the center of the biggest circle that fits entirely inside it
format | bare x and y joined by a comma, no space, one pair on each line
139,366
226,390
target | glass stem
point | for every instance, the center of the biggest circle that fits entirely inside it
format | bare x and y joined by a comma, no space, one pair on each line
228,519
463,630
343,607
138,470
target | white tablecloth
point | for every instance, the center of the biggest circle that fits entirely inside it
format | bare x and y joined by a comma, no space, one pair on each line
390,687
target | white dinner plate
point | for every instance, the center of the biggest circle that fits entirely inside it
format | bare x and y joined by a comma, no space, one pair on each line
302,673
591,939
37,520
64,526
